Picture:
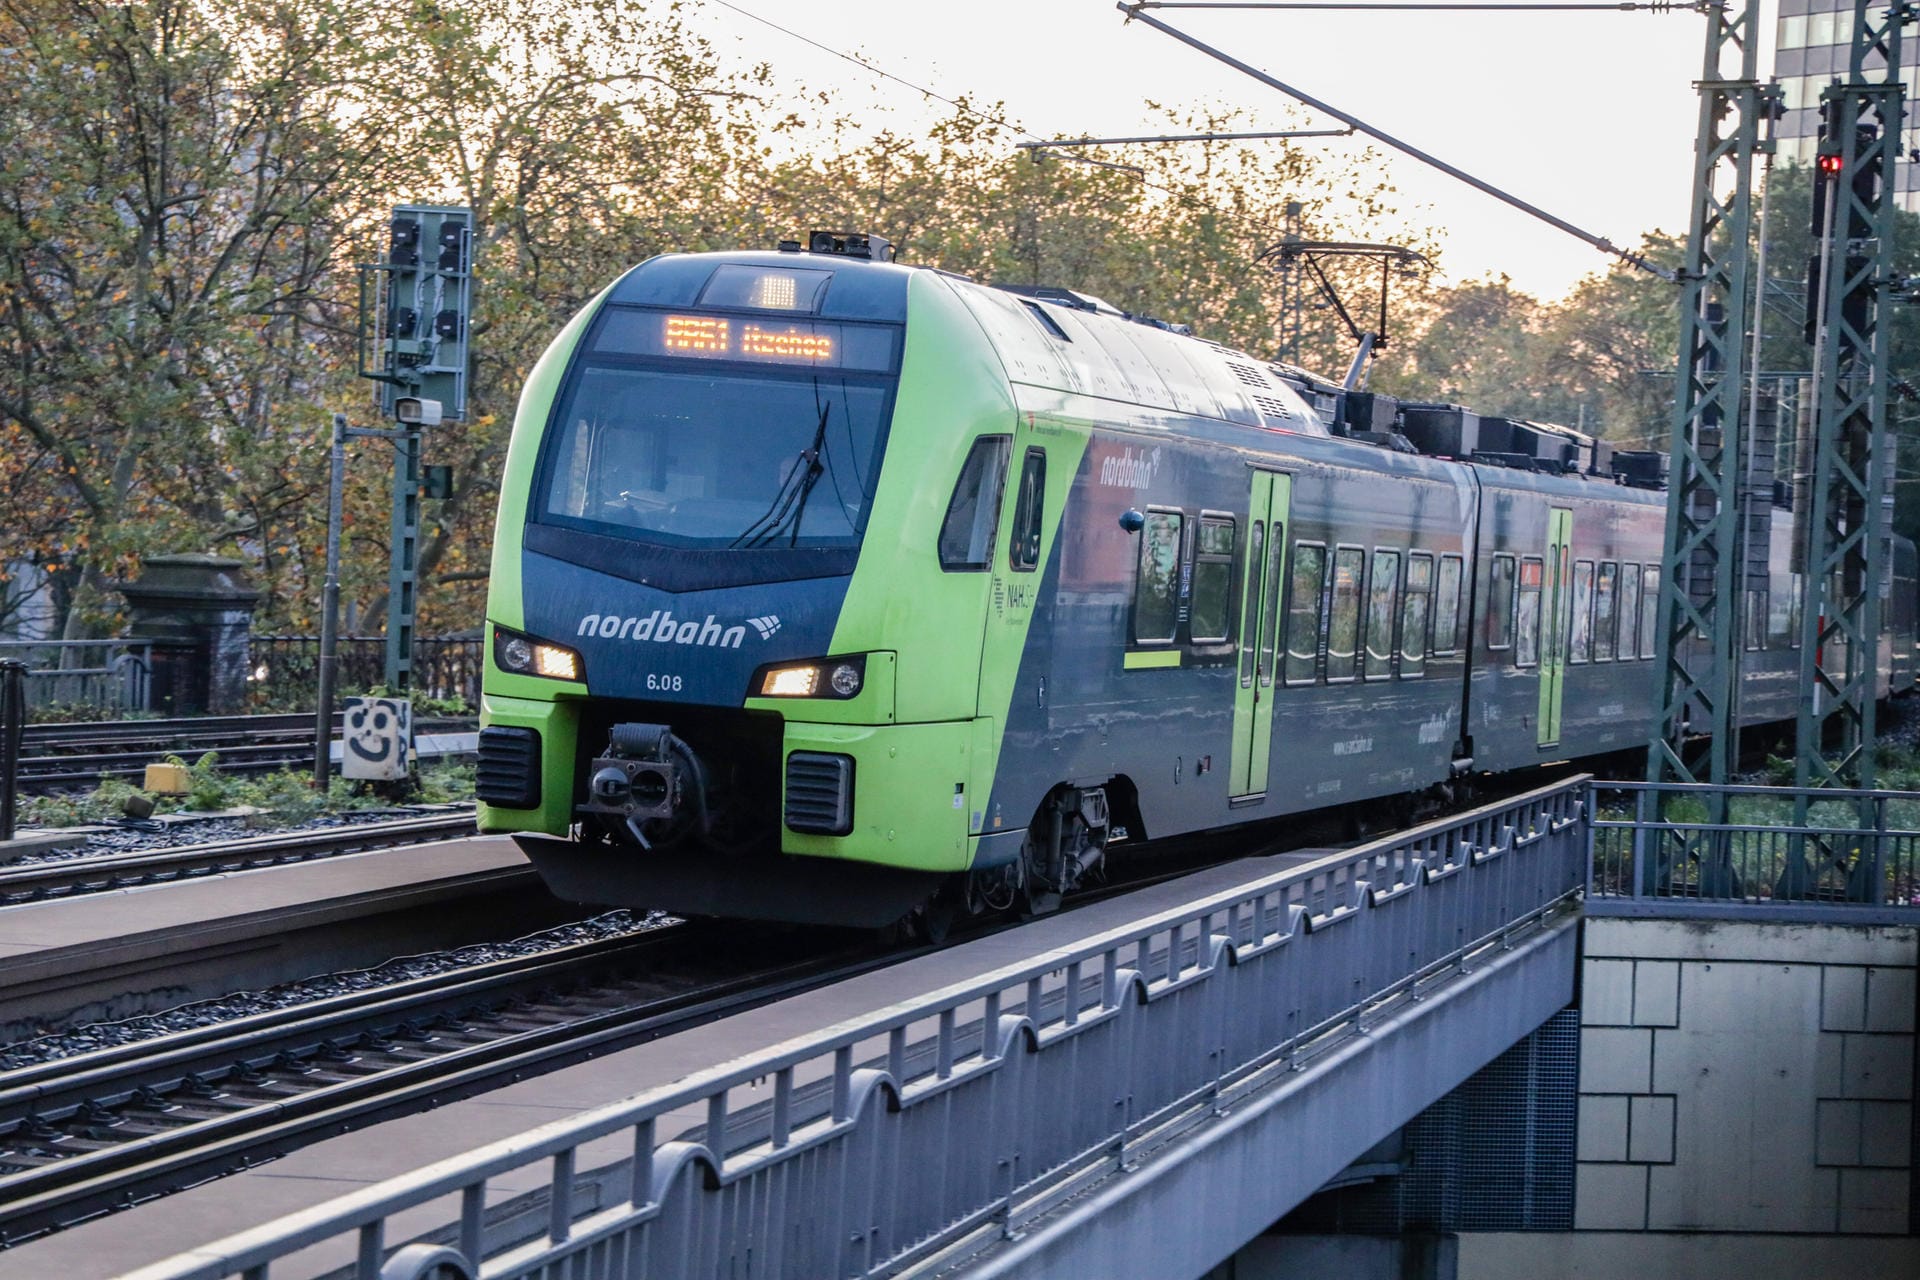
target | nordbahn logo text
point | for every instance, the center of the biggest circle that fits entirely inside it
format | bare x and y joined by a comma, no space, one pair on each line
662,627
1129,470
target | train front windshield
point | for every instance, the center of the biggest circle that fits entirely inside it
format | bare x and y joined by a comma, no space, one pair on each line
718,432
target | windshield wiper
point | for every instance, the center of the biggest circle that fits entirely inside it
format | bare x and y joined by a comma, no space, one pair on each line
768,522
808,476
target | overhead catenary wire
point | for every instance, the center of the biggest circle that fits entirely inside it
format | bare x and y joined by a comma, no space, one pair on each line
1186,137
1134,11
1251,229
1437,6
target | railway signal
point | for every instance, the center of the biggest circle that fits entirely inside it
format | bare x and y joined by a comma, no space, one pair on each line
1842,528
415,311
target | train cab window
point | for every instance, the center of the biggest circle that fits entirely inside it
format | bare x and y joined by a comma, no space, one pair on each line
1628,616
973,512
1343,621
1156,589
1415,608
1526,630
1582,629
1383,591
1212,577
1603,604
1500,603
1649,611
1303,612
1446,607
1024,554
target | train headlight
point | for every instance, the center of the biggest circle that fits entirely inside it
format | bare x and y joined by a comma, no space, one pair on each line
523,655
791,682
821,678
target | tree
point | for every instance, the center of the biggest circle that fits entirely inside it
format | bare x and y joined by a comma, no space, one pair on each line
1601,359
170,203
1176,231
585,137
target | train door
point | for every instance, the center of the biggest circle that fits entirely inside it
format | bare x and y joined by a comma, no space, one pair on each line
1553,624
1260,585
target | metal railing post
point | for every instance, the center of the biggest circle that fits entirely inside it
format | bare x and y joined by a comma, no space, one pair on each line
329,608
13,725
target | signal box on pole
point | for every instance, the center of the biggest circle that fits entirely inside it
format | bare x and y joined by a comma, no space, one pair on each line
421,300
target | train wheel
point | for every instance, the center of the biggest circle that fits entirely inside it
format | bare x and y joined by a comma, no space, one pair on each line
933,920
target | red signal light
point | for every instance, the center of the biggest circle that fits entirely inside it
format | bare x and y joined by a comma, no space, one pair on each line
1829,164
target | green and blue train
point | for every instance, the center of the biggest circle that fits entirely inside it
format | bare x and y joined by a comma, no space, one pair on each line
828,589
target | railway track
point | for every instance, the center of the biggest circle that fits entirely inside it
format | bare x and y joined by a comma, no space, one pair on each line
67,877
86,1135
57,756
90,1134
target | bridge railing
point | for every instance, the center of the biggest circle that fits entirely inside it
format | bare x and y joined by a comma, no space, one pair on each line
952,1118
1810,853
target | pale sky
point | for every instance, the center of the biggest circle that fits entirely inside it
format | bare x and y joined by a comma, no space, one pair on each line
1590,115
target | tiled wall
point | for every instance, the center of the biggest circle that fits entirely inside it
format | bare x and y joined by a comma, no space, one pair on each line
1745,1077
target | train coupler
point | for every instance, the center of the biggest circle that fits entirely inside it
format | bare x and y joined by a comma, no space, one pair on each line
647,776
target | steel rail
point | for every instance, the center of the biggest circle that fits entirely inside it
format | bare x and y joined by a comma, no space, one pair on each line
175,728
70,876
280,750
274,1050
360,1059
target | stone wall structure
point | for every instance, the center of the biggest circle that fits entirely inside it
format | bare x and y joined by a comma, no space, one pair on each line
1746,1077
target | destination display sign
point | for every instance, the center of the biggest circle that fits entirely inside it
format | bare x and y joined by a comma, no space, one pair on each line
755,340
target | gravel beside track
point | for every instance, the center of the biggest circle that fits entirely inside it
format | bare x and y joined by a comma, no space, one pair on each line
231,1009
177,831
84,1135
60,875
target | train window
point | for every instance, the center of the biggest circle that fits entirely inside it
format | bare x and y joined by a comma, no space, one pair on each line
1446,607
1303,612
973,512
1603,585
1212,576
1270,626
1526,631
1649,611
1756,620
1156,590
1582,629
1629,613
1250,634
1500,604
1383,593
1795,612
1414,610
1343,622
1779,620
1024,554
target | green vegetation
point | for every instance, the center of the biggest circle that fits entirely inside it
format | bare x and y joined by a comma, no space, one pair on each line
81,712
282,799
181,292
188,183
